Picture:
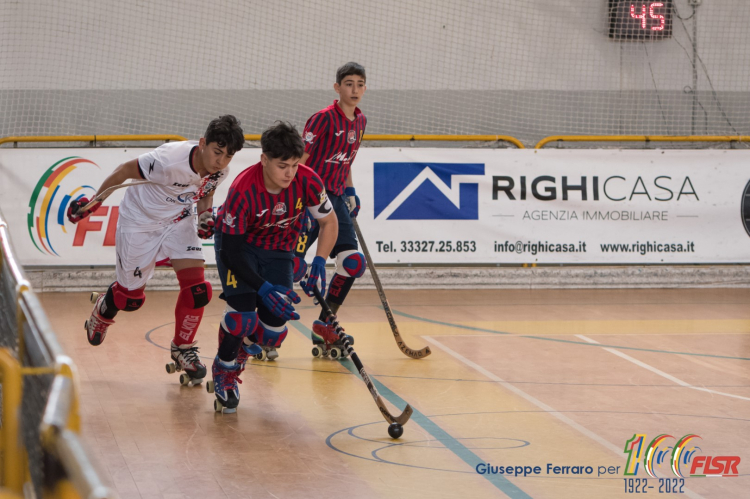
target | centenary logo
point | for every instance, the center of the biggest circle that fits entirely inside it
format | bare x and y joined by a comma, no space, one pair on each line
49,202
427,191
745,210
681,454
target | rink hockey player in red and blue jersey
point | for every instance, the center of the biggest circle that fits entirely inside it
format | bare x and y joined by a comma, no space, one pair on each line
257,227
332,137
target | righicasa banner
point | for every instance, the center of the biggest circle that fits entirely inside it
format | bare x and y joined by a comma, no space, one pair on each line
445,206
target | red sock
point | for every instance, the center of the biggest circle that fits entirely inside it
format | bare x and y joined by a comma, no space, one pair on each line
195,293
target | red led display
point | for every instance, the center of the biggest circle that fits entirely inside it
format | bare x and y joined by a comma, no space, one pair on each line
640,21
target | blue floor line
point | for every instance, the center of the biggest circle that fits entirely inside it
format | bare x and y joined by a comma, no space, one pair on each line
461,451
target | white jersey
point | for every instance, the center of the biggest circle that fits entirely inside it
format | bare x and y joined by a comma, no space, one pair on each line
176,187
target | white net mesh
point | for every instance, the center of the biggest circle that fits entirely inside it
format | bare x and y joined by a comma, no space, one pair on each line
529,68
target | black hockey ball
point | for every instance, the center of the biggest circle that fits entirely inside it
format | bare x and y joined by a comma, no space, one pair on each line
395,430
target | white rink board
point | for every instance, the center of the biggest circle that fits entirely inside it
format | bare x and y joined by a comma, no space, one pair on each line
446,206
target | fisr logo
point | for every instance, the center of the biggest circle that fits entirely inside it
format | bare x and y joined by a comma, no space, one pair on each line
427,191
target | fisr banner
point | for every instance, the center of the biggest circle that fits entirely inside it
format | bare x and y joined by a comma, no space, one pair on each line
446,206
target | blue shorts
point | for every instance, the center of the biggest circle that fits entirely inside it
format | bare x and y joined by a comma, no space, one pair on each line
274,266
347,239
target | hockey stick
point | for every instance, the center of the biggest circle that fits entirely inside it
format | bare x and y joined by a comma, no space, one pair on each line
414,354
404,417
106,192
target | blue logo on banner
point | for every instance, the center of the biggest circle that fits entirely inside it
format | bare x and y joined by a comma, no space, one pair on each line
426,191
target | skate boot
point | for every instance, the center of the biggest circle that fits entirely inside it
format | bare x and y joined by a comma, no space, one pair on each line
247,350
326,341
96,326
185,358
224,386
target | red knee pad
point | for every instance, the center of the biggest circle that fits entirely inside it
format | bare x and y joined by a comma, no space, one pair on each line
127,299
195,291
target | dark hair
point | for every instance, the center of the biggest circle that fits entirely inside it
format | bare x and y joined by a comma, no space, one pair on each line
348,69
226,131
282,141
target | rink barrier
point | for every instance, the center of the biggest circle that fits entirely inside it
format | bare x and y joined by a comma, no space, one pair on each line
427,138
641,138
93,139
41,447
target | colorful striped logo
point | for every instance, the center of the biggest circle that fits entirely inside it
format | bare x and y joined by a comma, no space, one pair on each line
652,454
680,448
46,205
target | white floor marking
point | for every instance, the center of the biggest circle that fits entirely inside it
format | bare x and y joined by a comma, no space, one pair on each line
593,436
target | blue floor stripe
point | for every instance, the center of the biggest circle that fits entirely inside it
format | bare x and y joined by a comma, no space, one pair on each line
461,451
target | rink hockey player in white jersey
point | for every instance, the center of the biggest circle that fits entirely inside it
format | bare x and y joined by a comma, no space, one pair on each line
155,223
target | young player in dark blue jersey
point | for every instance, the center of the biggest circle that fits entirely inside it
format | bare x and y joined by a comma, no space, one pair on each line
256,229
332,137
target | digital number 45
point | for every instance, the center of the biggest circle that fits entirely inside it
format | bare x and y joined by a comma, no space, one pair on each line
651,8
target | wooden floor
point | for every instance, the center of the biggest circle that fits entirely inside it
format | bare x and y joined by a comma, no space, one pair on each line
516,378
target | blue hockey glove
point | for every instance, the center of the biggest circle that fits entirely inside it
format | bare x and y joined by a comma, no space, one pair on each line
352,201
308,223
299,269
317,272
278,300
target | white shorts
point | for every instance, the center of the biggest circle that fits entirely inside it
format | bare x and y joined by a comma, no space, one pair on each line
138,252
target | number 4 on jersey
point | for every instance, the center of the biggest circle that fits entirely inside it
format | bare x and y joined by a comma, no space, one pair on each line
231,279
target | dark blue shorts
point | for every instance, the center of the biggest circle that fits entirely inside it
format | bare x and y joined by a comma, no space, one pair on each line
347,239
274,266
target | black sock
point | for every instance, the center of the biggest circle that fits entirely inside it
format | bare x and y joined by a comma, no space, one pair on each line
337,291
110,310
229,346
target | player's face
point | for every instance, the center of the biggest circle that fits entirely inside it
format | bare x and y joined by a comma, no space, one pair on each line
214,157
278,173
351,90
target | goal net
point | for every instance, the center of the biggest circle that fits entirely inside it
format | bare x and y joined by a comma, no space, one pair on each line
528,69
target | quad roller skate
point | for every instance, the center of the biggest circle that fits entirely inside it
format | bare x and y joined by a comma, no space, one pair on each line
266,353
224,385
266,340
96,326
247,351
326,341
185,358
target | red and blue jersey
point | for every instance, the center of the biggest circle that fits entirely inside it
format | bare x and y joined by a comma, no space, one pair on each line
332,141
270,221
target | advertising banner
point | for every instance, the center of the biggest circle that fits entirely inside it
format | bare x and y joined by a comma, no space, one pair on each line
445,206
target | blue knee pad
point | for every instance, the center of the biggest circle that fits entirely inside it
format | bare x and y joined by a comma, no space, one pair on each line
350,263
239,324
271,336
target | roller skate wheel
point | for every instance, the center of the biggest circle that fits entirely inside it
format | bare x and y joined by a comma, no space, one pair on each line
335,353
262,355
171,368
351,340
184,379
217,406
317,352
210,387
272,355
93,297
